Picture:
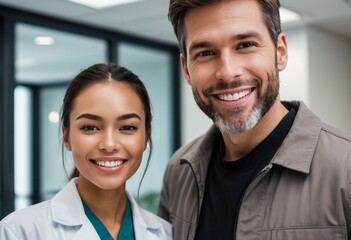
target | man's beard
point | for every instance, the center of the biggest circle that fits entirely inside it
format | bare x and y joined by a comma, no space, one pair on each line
232,120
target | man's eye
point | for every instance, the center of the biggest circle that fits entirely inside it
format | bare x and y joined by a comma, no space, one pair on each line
89,128
205,53
246,45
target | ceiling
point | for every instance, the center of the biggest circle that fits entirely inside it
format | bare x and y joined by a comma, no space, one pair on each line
149,18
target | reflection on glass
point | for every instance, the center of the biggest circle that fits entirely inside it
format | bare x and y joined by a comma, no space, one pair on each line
153,68
23,147
53,174
45,55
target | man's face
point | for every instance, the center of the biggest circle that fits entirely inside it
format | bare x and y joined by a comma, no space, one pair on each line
232,64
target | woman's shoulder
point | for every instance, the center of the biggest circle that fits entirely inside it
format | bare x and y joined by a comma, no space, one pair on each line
39,210
28,219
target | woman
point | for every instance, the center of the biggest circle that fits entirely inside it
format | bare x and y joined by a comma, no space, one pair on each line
106,124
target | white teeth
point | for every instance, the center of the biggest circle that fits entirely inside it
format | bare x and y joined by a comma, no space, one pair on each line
109,163
234,97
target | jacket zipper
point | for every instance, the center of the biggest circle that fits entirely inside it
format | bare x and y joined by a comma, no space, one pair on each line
184,161
264,170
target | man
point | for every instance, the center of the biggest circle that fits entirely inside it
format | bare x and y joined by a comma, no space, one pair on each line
267,169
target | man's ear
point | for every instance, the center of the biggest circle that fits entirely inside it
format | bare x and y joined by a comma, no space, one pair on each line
282,52
184,68
66,138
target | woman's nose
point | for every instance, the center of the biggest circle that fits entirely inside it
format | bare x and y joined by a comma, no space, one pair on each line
109,142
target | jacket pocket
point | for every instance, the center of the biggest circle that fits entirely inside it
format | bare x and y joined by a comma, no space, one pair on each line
309,233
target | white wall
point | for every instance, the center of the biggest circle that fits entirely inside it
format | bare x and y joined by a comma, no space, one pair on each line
330,77
318,73
194,121
294,83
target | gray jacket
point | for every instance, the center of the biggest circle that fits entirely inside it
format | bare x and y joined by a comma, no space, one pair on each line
304,193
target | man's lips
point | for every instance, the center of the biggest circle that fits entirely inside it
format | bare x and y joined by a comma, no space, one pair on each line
234,96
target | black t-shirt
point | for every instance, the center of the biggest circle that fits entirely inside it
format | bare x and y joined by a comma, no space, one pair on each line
226,182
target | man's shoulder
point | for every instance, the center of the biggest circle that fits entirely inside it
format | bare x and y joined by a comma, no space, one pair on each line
197,146
335,144
336,134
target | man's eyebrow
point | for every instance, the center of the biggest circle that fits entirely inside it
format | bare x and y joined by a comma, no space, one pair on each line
241,36
251,34
198,45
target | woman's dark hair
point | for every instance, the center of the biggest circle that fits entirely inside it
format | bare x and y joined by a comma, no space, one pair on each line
100,73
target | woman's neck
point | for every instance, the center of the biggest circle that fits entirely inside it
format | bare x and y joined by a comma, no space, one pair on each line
108,205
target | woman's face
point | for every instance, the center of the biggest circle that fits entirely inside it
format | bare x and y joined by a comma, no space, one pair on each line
107,134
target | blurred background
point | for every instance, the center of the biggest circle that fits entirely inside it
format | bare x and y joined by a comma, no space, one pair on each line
45,43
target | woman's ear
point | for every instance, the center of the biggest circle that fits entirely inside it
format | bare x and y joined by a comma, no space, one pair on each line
147,139
66,138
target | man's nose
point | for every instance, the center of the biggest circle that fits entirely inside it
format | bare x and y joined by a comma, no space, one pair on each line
229,66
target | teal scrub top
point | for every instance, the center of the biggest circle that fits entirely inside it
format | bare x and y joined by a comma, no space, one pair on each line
125,233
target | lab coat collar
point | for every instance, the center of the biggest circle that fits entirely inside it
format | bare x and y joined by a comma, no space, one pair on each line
146,225
142,217
67,210
67,207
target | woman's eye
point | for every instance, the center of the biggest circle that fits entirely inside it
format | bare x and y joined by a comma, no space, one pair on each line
128,128
89,128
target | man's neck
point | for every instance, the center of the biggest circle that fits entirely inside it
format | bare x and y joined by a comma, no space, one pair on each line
238,145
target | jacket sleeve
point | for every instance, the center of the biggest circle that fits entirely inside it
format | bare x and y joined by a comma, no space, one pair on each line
7,232
164,204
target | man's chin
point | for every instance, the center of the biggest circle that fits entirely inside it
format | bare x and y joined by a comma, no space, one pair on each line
237,124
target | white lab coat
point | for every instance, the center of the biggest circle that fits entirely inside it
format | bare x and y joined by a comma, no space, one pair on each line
63,218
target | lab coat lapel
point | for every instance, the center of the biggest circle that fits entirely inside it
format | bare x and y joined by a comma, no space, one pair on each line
145,227
67,210
86,231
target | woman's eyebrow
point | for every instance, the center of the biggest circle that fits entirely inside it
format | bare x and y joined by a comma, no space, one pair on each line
128,116
89,116
98,118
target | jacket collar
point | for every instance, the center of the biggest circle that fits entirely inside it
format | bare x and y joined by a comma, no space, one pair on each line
295,153
203,148
297,150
